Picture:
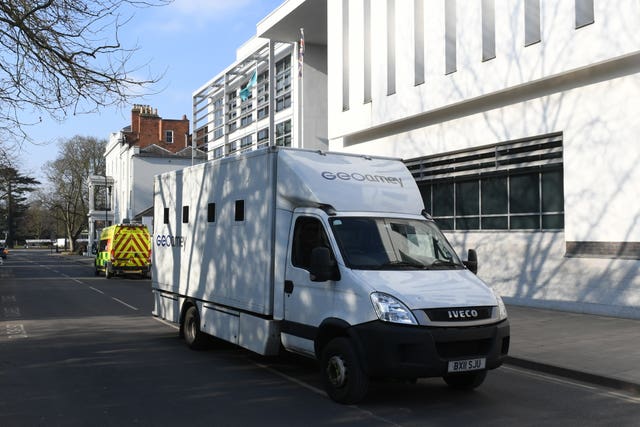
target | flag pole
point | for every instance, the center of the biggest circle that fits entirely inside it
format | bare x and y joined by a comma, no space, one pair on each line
301,48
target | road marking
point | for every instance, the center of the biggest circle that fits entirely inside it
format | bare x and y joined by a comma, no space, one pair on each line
174,326
124,303
94,289
16,331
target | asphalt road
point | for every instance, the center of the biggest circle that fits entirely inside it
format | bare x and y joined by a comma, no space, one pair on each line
80,350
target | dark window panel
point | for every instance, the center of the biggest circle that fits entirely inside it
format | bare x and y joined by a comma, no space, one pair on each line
468,223
467,199
495,223
526,222
552,192
524,194
494,195
445,223
443,199
553,222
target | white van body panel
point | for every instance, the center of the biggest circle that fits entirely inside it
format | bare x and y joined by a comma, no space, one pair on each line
435,289
347,183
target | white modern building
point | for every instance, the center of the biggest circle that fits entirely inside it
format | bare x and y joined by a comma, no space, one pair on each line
273,93
517,118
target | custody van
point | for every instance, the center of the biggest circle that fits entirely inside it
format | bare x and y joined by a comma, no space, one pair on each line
328,255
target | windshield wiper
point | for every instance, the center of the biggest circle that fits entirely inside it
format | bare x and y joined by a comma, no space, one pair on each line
444,263
402,264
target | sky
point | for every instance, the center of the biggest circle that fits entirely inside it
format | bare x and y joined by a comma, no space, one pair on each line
188,42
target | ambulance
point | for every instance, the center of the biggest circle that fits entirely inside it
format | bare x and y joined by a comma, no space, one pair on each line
328,255
124,249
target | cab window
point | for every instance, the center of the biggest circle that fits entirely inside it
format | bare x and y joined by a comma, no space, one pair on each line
308,234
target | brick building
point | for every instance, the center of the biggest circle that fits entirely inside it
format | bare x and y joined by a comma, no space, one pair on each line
148,128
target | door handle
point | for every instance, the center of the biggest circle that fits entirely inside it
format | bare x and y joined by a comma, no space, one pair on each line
288,286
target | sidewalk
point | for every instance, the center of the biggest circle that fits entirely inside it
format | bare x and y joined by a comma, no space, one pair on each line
595,349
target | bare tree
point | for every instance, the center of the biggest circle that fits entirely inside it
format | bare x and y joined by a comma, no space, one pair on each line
78,158
61,57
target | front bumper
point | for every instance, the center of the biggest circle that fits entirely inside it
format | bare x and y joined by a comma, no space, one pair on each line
404,351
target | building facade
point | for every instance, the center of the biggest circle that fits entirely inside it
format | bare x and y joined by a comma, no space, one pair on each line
517,118
519,121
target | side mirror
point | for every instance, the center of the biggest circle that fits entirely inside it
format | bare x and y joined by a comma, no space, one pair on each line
472,261
322,267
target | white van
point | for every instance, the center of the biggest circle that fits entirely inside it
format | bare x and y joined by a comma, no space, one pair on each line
324,254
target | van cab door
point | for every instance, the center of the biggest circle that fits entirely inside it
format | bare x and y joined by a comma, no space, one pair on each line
306,303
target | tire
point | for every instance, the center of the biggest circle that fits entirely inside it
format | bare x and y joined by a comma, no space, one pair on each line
342,374
108,274
190,330
466,380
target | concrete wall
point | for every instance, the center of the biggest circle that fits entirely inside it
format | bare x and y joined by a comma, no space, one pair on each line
582,82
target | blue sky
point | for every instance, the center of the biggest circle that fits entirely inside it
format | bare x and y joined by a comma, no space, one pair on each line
202,37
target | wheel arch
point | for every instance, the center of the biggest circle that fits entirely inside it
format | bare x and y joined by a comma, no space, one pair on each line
333,327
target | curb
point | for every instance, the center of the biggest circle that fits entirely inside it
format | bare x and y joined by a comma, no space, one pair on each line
573,374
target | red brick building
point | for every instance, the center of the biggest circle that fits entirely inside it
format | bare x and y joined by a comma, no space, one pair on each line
147,128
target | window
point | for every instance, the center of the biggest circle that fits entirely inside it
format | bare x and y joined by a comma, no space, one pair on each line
185,214
531,22
391,47
263,137
584,13
283,102
165,216
283,134
283,76
450,54
516,185
246,141
366,81
263,112
211,212
246,120
418,36
218,152
488,30
239,213
308,234
168,137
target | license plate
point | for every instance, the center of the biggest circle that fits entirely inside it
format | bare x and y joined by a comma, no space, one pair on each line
467,365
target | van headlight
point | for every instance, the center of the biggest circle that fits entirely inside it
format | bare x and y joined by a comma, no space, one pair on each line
391,310
502,309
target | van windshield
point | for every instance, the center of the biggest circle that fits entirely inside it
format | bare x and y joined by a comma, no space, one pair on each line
392,243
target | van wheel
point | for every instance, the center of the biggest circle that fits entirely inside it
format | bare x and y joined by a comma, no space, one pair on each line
466,380
344,379
190,329
108,274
